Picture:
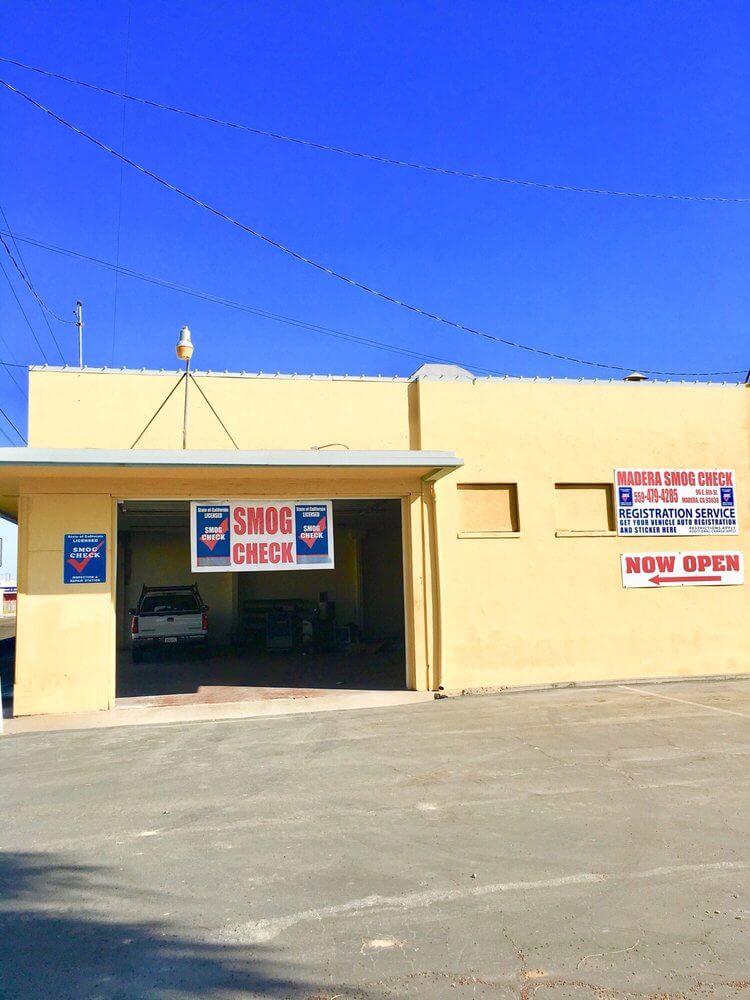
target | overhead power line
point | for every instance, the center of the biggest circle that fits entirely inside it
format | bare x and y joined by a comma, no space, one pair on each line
24,313
7,366
245,307
346,279
374,157
27,281
23,271
7,438
121,184
256,311
4,414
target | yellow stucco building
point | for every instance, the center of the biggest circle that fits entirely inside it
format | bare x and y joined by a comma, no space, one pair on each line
475,520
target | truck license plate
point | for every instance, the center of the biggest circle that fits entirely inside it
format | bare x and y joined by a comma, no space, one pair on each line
171,638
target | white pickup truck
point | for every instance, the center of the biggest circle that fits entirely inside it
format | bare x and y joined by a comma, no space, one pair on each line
169,616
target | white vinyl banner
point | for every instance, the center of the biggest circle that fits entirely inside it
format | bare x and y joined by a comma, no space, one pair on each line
676,502
682,569
229,536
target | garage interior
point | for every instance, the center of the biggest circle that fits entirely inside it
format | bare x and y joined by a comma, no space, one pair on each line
270,633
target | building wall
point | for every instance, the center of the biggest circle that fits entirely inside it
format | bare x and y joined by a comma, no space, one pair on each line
73,409
537,600
551,606
66,640
67,635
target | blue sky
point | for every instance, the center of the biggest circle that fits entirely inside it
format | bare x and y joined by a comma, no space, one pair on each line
9,538
637,96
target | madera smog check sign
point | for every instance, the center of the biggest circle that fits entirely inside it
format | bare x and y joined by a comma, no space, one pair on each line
230,536
676,502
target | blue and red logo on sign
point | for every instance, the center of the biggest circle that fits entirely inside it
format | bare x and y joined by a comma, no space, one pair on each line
85,559
311,533
212,541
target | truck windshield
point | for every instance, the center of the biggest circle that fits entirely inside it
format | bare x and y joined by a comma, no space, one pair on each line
168,604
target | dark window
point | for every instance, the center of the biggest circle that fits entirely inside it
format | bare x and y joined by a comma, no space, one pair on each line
168,604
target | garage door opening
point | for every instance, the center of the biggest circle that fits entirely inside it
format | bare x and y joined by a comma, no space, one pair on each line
266,633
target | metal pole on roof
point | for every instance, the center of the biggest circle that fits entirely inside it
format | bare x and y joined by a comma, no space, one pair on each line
79,324
185,412
185,353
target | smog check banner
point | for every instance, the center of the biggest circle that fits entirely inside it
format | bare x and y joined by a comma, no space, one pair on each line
234,536
676,502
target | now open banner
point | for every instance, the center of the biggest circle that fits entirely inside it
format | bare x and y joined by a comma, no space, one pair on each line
261,535
682,569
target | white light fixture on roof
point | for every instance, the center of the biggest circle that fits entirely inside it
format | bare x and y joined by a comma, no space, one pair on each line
184,349
185,345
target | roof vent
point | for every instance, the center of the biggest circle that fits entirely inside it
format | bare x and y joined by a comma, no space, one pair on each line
635,377
446,372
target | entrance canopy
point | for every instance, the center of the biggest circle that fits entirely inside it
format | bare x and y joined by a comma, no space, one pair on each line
19,464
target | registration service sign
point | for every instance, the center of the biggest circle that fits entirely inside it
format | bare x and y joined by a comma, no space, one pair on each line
676,502
261,535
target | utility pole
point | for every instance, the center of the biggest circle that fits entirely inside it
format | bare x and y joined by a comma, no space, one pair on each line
79,324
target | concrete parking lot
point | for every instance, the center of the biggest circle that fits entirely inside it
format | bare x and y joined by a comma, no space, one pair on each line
569,843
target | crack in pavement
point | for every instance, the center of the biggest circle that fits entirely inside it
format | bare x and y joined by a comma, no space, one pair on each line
266,929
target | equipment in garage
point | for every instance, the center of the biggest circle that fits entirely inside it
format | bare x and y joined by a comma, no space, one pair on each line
285,624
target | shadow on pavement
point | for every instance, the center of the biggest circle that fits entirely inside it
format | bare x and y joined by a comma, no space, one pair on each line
53,943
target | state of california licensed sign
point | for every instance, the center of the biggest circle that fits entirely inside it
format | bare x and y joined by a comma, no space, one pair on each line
675,502
85,558
261,535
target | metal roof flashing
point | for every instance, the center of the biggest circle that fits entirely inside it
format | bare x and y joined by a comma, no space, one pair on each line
175,373
26,458
427,372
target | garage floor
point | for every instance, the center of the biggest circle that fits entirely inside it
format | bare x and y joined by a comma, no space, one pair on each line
229,675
